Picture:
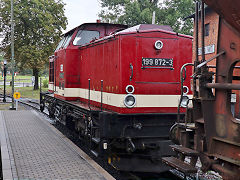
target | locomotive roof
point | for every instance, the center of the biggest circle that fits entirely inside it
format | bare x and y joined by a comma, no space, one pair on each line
151,27
104,24
137,28
147,27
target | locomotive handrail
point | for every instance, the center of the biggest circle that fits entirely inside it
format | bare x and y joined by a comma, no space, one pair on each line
131,67
181,78
89,92
101,95
181,97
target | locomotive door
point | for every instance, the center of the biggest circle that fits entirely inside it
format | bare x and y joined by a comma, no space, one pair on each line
157,63
59,66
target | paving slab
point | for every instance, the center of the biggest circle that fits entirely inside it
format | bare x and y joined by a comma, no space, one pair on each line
34,149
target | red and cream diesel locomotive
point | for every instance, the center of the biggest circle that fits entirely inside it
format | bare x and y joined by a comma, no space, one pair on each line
119,88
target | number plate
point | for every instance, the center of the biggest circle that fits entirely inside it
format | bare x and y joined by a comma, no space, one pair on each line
158,62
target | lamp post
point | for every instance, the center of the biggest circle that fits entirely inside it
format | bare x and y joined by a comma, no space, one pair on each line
12,51
4,78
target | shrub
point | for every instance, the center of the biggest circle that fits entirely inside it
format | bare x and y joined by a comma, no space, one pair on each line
45,83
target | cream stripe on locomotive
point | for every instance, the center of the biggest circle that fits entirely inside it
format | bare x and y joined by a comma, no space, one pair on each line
117,99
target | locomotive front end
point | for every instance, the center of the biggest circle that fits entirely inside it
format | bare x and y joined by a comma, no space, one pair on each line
150,59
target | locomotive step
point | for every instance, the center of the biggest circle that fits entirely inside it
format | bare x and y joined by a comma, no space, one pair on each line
96,140
179,165
184,150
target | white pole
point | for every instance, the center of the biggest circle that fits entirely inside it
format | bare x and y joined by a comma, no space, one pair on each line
153,18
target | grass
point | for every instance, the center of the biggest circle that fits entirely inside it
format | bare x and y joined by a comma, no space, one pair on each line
26,92
20,78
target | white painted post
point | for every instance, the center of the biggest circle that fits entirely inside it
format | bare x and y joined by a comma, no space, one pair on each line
153,18
16,104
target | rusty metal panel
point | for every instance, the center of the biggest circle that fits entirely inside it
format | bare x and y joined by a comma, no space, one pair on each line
228,9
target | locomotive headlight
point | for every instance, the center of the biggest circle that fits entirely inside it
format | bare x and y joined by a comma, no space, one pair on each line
129,100
184,101
158,45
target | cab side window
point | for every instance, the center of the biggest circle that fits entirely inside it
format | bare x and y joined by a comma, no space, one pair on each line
85,36
60,44
64,42
68,38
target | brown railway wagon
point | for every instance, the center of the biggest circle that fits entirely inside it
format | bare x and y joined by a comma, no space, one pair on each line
211,130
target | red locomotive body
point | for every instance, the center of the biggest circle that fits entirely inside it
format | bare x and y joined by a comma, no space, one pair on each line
121,88
119,60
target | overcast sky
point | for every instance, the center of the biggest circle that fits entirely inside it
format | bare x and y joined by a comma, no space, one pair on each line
81,11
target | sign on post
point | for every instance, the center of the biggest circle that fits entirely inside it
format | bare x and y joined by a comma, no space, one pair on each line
16,96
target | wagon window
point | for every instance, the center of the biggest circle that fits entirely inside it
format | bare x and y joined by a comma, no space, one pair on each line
85,36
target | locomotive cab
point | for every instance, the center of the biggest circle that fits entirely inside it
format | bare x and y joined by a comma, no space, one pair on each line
66,57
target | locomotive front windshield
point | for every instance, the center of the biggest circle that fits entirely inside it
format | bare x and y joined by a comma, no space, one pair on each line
85,36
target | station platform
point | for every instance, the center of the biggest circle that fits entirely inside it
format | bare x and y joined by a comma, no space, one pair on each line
31,148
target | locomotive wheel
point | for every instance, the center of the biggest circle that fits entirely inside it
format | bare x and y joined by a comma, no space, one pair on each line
51,115
51,110
69,122
173,134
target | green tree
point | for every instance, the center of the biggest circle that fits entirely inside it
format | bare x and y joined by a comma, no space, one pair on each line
1,61
128,11
175,12
133,12
38,27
